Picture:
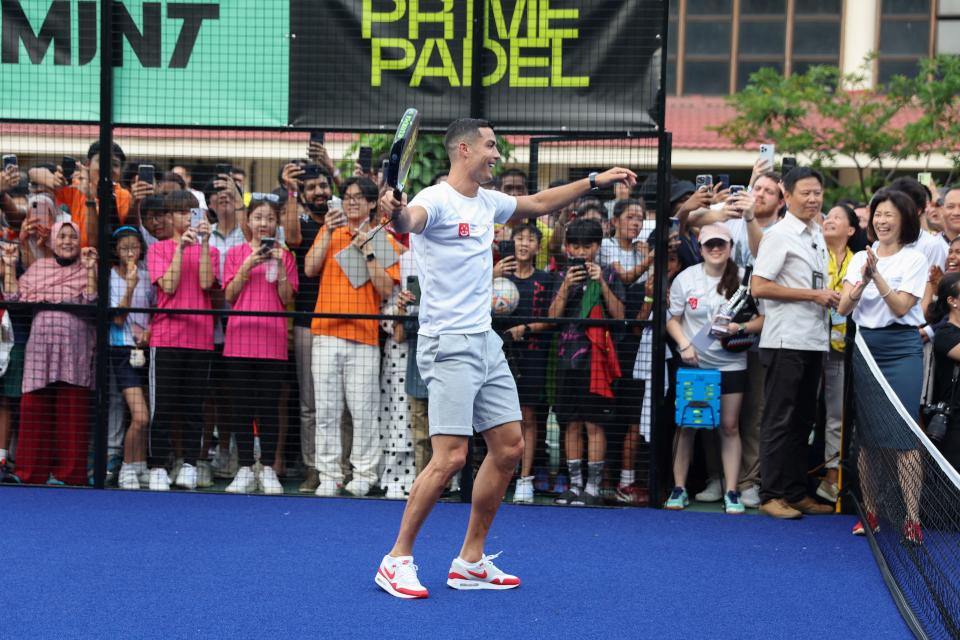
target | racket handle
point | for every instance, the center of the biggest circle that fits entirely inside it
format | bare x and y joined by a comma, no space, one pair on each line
398,194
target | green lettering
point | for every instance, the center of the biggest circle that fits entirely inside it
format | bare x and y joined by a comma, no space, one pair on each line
423,69
520,8
378,65
445,16
500,70
468,48
556,68
518,62
547,14
369,16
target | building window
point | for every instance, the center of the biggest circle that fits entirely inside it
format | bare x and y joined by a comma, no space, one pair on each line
716,44
904,38
948,27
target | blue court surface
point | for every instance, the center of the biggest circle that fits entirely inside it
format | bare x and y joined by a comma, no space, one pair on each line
111,564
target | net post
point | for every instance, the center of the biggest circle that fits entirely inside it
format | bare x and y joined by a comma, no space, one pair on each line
660,450
105,212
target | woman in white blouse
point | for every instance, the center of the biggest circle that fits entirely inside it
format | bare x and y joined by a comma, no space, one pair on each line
696,295
882,291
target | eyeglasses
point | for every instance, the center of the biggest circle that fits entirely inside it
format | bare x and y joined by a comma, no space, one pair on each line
269,197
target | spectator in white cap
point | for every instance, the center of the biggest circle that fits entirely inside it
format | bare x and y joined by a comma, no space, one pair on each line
697,296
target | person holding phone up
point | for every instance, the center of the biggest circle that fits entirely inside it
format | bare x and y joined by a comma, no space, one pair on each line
185,268
260,275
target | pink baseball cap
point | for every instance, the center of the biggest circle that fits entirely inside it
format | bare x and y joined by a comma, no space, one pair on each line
714,231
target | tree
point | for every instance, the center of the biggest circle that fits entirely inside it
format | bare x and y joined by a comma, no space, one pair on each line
818,114
430,156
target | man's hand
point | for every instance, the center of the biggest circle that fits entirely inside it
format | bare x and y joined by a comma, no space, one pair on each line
290,176
9,178
334,219
505,266
10,254
203,231
698,200
517,332
826,298
188,238
760,167
575,275
743,203
389,204
404,300
141,190
46,179
359,239
318,154
617,174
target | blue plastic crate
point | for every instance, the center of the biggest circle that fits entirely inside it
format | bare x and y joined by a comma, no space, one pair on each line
698,398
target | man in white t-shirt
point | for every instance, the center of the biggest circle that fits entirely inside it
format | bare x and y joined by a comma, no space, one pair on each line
460,358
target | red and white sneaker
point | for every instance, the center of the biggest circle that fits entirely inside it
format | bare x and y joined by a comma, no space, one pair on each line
398,577
482,575
859,529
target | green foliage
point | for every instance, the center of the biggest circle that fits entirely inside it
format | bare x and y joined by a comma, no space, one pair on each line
817,114
430,156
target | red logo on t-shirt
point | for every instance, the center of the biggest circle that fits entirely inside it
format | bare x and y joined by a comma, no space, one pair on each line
464,230
692,303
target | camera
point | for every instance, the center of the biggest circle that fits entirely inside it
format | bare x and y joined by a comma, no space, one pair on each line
938,417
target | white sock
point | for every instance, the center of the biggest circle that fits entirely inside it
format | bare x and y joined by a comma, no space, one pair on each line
627,477
469,564
3,454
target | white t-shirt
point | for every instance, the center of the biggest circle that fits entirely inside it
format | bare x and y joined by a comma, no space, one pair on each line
694,296
611,251
741,253
454,257
143,297
904,271
932,247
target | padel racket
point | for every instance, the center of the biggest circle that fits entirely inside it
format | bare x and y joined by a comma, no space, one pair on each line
400,158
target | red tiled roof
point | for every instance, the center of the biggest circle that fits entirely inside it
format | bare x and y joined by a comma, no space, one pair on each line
689,116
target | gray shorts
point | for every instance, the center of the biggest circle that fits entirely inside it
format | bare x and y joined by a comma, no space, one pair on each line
469,383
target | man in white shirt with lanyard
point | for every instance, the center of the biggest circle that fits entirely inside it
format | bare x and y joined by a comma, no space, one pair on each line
790,275
460,358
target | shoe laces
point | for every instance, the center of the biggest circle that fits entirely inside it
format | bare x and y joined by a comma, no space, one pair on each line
406,571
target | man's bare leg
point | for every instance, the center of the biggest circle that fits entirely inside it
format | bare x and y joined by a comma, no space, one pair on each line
504,451
449,456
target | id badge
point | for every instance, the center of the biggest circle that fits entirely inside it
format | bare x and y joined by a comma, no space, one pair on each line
817,280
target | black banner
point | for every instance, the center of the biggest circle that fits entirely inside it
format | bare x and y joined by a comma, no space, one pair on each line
526,65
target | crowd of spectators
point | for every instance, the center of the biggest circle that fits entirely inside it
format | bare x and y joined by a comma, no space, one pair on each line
333,396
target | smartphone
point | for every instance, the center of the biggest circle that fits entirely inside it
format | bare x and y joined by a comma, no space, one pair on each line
9,160
146,173
69,167
767,152
723,180
674,225
704,181
365,158
413,286
334,203
788,164
197,215
222,169
577,262
310,172
737,188
925,178
317,136
506,248
267,244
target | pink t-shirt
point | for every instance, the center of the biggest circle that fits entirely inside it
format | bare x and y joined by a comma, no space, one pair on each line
181,331
252,336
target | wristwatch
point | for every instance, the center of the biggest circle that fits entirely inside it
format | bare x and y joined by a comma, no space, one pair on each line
371,257
592,176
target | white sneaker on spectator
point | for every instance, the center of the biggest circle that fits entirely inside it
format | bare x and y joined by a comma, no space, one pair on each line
175,470
159,480
143,473
244,482
204,474
128,477
269,482
750,497
523,492
327,489
713,492
358,488
187,478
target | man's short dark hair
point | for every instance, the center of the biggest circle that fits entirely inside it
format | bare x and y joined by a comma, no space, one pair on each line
621,205
176,178
530,227
464,128
368,188
584,232
909,220
771,175
152,205
797,174
94,150
513,171
917,192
